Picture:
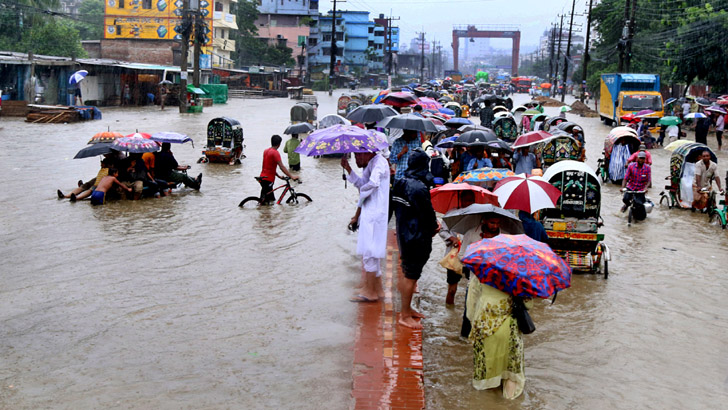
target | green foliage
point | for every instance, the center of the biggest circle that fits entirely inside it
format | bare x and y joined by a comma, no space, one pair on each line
538,67
322,85
55,39
92,15
250,50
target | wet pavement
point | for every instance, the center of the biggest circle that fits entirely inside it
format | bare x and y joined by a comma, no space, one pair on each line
190,302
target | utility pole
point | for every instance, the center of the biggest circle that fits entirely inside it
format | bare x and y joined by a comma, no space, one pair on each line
622,44
184,50
432,58
630,38
199,37
422,58
585,58
332,62
552,44
389,50
558,54
568,51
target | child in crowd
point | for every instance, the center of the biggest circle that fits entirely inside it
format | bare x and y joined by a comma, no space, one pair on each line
107,182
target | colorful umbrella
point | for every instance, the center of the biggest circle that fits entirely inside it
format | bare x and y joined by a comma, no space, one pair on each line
669,120
408,122
448,196
717,109
77,76
429,103
546,85
531,112
106,136
518,265
629,117
696,115
644,113
371,113
484,175
399,99
342,139
722,102
677,144
134,145
464,219
531,138
448,142
526,193
382,94
139,135
171,137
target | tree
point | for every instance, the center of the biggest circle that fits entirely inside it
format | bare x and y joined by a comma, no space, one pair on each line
55,39
92,15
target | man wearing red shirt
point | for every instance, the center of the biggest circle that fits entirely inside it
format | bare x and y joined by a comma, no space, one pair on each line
271,163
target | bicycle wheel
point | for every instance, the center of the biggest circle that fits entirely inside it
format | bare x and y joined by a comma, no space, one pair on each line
298,198
664,200
715,219
250,202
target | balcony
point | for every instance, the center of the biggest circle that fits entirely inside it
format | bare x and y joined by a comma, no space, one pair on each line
223,44
226,20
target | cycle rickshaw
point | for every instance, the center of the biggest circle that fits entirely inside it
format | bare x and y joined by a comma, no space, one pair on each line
560,148
506,128
224,141
303,112
679,194
619,145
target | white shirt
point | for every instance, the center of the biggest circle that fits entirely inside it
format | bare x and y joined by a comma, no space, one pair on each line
720,123
373,187
686,108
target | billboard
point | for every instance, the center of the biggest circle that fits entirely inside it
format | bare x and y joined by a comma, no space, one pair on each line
152,19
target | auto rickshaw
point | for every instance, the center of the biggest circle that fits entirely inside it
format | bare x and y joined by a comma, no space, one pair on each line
619,145
679,194
505,128
224,141
553,122
303,112
342,103
561,148
572,227
537,121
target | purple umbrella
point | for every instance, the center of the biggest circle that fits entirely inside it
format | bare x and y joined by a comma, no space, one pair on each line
134,145
717,109
644,112
342,139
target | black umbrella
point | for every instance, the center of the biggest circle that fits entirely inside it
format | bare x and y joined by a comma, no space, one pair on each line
500,145
473,127
702,101
485,98
94,150
300,128
432,94
476,138
371,113
408,122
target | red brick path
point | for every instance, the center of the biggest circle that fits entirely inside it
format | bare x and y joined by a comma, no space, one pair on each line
387,365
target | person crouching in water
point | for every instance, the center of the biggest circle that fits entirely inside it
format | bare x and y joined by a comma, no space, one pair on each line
416,225
98,196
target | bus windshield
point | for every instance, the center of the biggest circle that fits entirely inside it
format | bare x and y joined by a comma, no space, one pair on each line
642,102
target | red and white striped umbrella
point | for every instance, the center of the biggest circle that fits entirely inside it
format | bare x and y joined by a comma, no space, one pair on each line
139,135
526,193
531,138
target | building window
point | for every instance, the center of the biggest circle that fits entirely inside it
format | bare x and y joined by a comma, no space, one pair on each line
218,6
371,30
146,4
312,41
121,4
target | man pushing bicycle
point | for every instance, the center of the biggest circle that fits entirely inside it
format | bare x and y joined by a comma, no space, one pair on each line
271,163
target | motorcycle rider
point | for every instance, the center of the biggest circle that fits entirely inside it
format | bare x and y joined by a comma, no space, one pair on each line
637,180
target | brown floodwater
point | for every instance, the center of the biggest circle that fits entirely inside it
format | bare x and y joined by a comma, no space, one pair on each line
190,302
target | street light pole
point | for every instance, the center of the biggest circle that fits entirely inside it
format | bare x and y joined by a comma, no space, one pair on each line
332,62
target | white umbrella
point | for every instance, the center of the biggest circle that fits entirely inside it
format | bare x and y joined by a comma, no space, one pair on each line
77,76
696,115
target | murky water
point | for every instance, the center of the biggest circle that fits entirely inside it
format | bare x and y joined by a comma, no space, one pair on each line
189,302
650,336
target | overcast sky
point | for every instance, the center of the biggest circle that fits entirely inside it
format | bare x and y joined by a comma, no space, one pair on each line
437,17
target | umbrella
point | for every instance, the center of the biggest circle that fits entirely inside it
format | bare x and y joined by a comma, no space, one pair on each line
677,144
429,104
629,117
531,138
531,112
499,144
518,265
77,76
432,94
476,138
446,111
565,108
300,128
702,101
408,122
716,109
171,137
445,98
138,134
722,101
670,101
473,127
106,136
448,142
458,122
400,99
669,120
484,175
165,82
333,119
134,145
448,196
696,115
526,193
644,113
464,219
546,85
96,149
342,139
371,113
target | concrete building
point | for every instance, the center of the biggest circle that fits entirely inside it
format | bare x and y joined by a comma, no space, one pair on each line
224,27
379,36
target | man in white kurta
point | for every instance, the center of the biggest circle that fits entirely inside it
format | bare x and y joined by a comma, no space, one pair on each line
373,185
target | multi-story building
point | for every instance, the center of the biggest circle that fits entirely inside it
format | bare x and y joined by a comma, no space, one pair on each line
288,23
319,45
224,28
380,37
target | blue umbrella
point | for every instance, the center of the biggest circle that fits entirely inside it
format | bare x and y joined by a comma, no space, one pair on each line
695,115
77,76
171,137
447,142
458,122
446,111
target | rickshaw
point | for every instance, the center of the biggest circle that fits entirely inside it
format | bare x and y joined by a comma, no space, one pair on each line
560,148
552,123
224,141
572,227
682,174
537,120
341,105
619,144
455,107
506,128
499,108
303,112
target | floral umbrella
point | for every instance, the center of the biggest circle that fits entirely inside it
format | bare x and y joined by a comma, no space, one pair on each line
484,175
448,196
135,145
518,265
106,136
526,193
429,103
342,139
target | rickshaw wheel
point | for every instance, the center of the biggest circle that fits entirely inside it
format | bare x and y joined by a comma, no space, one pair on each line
715,219
605,269
665,200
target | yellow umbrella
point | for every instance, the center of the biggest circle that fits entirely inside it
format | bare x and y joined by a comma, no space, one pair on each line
676,144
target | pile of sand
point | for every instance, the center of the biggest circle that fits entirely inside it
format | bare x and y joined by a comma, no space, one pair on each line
583,110
548,102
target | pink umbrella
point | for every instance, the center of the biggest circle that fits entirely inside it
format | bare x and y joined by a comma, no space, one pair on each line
526,193
429,104
531,138
139,135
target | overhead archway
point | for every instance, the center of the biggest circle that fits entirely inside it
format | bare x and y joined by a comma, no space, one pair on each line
487,31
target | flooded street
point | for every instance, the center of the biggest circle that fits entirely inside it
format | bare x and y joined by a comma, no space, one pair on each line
190,302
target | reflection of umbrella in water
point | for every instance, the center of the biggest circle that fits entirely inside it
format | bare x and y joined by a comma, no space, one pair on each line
518,265
300,128
526,193
96,149
464,219
134,145
106,136
449,196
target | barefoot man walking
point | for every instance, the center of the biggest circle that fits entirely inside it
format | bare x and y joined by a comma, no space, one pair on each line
416,225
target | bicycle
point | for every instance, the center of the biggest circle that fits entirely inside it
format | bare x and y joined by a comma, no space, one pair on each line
647,205
716,215
293,198
668,197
